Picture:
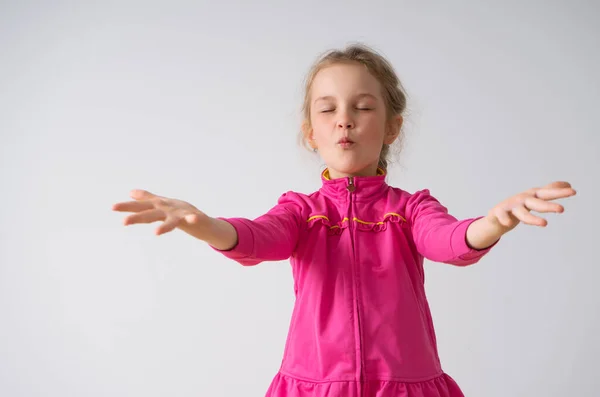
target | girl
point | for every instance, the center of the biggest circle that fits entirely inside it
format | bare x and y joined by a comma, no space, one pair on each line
361,325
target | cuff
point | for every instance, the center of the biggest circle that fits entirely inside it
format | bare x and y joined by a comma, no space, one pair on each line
459,245
245,240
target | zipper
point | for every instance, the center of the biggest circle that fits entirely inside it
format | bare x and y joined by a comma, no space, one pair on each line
351,187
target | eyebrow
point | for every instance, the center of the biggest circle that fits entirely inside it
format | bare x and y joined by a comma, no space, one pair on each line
359,96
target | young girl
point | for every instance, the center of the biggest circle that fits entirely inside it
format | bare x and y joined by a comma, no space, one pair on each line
361,325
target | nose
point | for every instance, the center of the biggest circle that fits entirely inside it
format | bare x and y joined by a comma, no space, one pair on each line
345,122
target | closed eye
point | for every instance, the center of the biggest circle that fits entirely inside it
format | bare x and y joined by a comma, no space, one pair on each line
331,110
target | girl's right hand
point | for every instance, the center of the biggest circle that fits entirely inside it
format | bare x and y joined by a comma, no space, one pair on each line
149,208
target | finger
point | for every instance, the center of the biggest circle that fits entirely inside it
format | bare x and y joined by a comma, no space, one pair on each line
140,194
554,193
168,225
133,206
558,184
527,217
148,216
539,205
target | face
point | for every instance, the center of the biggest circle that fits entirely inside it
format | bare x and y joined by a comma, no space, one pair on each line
348,123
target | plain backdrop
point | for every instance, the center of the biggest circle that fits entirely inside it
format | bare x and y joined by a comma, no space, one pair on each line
201,101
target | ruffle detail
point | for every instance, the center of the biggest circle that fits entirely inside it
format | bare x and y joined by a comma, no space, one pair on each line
333,229
365,226
379,226
288,386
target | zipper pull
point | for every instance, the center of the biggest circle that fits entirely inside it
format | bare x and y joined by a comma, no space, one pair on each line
351,187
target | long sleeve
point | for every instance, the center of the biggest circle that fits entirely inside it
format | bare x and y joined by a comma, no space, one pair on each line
439,236
270,237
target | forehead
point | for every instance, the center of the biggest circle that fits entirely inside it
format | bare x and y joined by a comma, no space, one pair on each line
344,80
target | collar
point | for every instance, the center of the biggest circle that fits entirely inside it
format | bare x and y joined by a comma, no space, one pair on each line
360,187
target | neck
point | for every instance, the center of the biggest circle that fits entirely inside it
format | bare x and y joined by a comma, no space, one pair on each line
330,174
371,170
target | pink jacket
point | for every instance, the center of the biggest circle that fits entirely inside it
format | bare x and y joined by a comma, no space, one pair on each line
361,324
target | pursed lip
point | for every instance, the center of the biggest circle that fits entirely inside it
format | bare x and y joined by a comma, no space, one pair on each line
345,141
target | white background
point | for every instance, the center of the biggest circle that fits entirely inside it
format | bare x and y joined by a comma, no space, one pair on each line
200,101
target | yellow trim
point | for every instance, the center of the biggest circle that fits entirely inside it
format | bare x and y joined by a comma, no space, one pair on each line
327,177
356,219
381,222
317,217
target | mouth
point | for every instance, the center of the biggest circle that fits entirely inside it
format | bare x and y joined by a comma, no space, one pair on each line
345,143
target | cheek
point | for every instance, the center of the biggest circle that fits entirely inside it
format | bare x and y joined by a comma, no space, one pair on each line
374,127
321,128
321,136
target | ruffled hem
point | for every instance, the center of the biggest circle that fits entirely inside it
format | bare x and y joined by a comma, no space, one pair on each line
288,386
332,229
365,226
382,225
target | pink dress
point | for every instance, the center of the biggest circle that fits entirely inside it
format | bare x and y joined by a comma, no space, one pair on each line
361,325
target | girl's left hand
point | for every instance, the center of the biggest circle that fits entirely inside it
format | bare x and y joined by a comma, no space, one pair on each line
509,213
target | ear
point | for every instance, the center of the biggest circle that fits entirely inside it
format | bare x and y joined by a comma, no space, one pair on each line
308,134
393,130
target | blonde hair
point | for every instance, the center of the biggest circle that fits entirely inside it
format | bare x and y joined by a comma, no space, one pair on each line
393,92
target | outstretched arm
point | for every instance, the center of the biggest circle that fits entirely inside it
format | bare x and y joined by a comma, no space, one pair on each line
272,236
440,237
173,213
504,217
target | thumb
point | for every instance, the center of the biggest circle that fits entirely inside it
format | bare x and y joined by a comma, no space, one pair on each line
557,184
140,194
